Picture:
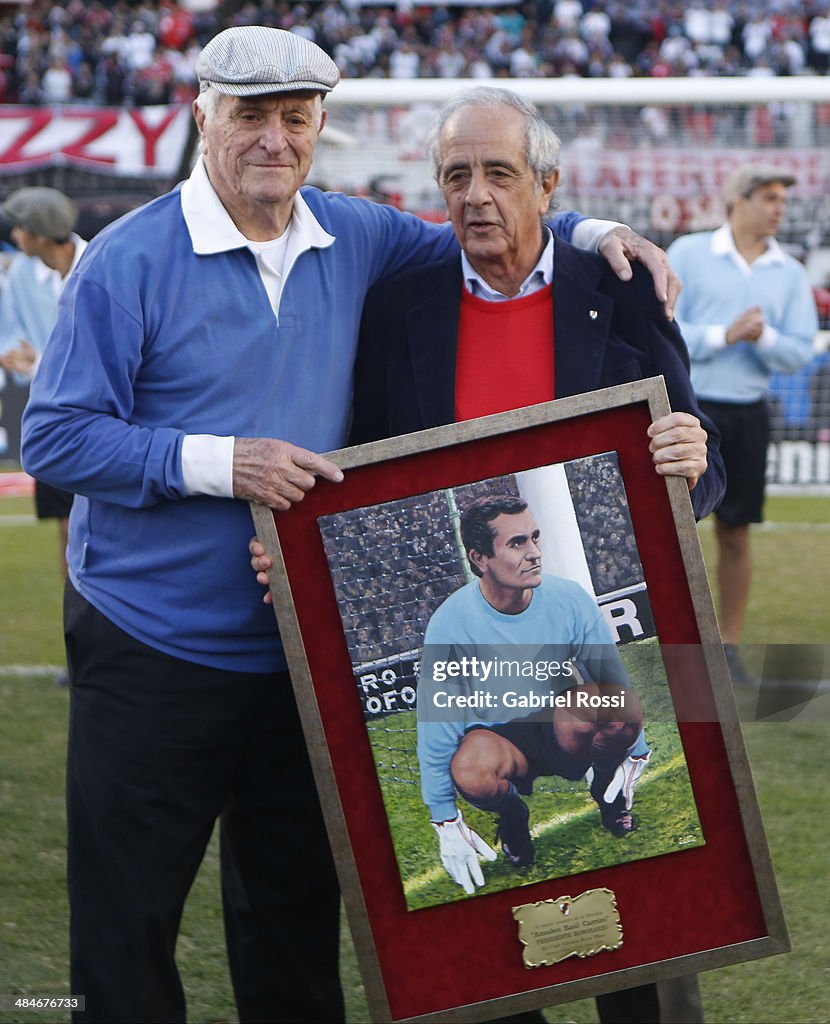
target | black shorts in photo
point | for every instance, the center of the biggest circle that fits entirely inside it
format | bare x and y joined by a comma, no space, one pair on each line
535,738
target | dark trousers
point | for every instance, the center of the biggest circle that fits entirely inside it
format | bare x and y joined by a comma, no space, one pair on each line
638,1005
160,748
628,1006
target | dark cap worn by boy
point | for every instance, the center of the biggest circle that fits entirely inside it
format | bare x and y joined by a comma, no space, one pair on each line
43,211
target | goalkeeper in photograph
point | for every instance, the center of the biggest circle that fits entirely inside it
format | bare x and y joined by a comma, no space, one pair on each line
516,638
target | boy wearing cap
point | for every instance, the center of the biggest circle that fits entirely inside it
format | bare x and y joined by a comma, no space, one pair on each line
199,330
42,222
746,311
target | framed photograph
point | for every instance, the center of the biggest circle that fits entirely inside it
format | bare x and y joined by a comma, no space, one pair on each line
509,673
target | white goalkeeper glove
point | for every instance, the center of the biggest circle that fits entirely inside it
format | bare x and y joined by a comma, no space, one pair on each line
625,779
460,847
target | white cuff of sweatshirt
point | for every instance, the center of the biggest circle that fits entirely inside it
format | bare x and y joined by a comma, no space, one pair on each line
589,233
207,465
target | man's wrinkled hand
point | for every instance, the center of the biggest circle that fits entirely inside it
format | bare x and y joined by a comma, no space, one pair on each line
678,446
620,245
277,473
460,847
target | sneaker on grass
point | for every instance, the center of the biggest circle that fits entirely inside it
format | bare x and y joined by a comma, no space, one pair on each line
739,673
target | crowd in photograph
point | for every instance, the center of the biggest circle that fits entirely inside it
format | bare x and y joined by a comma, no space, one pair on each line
143,51
391,568
601,509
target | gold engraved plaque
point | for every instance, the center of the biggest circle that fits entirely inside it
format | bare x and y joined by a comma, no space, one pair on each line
584,925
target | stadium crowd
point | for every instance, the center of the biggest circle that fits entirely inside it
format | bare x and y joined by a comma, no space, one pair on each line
143,51
601,509
391,567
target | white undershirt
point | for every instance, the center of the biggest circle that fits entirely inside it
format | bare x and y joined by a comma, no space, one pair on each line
270,261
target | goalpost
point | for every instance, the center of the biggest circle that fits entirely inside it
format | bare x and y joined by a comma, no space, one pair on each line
653,153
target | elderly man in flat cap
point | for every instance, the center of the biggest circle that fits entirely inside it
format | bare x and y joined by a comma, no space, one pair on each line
42,222
203,354
747,311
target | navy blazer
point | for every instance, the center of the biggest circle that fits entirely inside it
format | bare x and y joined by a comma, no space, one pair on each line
405,369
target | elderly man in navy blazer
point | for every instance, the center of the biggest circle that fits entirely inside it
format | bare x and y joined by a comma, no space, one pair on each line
520,317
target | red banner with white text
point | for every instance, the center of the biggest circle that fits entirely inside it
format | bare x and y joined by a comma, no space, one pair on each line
135,141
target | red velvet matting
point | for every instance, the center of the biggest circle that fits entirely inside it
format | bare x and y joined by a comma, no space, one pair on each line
468,951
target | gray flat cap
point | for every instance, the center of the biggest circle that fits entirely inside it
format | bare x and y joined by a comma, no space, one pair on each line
43,211
744,180
251,60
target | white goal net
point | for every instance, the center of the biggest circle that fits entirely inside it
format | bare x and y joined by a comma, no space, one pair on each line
651,153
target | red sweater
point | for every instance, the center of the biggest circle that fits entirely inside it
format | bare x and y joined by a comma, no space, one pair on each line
505,354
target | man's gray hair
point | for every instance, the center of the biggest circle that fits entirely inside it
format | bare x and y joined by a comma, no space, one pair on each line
208,101
541,141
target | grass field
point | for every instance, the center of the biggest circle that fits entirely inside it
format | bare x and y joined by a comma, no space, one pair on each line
789,759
